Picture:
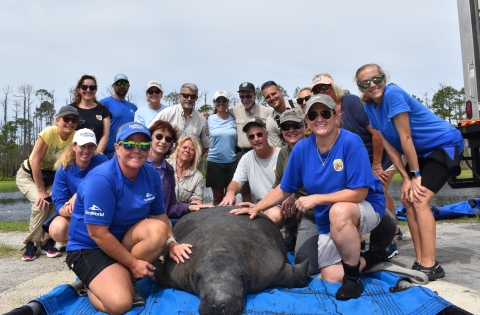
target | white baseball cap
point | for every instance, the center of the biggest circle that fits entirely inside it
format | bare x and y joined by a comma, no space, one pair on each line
155,84
84,136
219,94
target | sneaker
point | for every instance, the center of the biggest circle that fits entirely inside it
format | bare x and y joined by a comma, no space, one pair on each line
138,300
416,265
435,272
30,252
392,250
399,234
50,250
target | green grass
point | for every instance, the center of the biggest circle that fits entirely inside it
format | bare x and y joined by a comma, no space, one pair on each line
11,226
6,186
6,251
465,174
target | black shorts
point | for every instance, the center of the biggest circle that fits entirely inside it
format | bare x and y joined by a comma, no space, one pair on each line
434,174
88,263
219,175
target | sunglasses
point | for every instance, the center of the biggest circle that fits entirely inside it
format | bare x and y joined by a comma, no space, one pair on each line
191,96
154,91
223,101
122,83
301,99
246,96
377,79
323,87
326,114
160,136
252,136
130,145
90,87
294,125
268,83
66,120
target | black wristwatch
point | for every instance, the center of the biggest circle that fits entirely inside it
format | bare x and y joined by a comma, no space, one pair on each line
415,173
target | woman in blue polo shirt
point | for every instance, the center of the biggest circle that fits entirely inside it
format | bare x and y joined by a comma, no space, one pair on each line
432,147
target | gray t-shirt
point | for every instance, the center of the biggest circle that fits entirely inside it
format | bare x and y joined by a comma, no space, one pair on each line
260,173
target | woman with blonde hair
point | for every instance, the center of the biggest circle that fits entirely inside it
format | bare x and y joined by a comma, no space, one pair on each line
189,185
72,166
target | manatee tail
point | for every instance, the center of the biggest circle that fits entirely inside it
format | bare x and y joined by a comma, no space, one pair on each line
160,276
292,276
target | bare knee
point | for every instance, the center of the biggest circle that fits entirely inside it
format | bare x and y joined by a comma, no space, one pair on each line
333,273
339,216
275,214
58,229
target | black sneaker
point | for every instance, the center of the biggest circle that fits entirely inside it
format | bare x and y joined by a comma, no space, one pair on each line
30,252
351,289
50,250
416,265
435,272
138,300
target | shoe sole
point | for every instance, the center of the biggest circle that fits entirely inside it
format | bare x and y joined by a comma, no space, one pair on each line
44,252
29,259
415,276
395,252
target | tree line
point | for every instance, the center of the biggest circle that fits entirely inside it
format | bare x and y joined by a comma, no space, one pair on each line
32,110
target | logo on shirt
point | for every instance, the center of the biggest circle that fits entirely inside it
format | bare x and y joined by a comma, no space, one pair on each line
99,117
95,211
149,197
338,165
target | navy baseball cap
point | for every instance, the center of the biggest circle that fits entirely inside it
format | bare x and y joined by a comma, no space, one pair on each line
130,128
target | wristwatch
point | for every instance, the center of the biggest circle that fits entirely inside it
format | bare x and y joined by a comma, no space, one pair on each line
171,239
415,173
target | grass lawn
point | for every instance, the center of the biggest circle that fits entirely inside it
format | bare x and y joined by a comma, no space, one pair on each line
6,186
465,174
10,226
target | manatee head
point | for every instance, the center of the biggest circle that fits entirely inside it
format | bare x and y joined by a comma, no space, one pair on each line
221,284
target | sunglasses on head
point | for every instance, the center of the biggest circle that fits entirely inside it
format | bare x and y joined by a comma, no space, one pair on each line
294,125
246,96
301,99
268,83
130,145
326,114
191,96
90,87
222,100
252,136
319,88
122,83
377,79
66,120
154,91
160,136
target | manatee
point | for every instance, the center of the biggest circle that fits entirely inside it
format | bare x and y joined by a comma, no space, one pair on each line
232,256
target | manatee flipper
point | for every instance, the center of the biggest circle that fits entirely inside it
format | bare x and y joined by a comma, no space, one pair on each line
160,276
292,276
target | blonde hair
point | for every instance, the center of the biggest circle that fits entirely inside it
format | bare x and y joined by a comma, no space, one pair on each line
65,158
363,97
338,91
196,145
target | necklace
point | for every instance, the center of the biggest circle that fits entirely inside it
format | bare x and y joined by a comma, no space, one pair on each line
182,168
329,151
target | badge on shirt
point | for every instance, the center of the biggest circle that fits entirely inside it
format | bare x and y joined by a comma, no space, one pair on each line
99,117
338,165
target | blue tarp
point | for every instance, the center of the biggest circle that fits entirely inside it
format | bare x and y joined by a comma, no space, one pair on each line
455,210
316,298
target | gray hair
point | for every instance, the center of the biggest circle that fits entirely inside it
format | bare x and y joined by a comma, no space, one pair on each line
190,86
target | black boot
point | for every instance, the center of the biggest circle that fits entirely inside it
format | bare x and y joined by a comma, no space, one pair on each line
352,286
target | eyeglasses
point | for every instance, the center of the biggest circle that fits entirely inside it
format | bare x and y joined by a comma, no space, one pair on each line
130,145
268,83
326,114
246,96
223,101
252,136
191,96
160,136
90,87
122,83
301,99
294,125
377,79
319,88
66,119
154,91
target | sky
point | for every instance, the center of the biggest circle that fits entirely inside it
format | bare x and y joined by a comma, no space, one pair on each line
220,44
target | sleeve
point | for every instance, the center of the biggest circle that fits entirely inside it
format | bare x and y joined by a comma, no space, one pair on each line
157,207
355,107
99,200
279,168
273,133
205,137
60,192
106,111
292,179
138,118
357,167
199,187
174,210
396,102
240,176
47,135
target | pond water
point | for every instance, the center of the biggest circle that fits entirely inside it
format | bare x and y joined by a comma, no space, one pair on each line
15,207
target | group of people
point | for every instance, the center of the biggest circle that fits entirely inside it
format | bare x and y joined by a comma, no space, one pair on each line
322,162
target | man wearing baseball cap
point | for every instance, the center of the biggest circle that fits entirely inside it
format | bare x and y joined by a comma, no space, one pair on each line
122,110
258,168
242,113
154,94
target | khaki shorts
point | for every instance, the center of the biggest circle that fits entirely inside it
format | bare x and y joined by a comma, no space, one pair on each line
393,168
327,251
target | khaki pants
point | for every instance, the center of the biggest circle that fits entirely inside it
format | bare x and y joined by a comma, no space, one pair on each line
28,188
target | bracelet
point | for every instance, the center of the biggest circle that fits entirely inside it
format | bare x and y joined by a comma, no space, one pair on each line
171,239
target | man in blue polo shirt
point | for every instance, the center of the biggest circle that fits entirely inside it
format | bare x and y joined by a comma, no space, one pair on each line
122,110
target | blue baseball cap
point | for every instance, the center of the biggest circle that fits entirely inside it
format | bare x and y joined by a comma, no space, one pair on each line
120,77
130,128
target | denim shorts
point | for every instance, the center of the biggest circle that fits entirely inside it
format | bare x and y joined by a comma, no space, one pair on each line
88,263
